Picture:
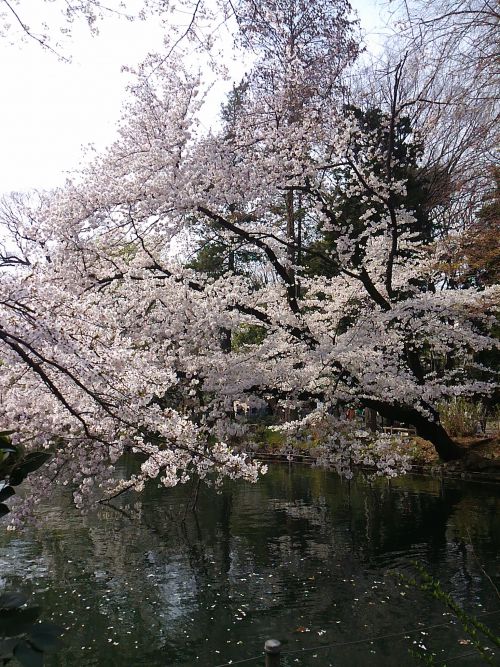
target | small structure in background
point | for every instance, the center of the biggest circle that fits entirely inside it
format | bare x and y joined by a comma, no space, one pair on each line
251,407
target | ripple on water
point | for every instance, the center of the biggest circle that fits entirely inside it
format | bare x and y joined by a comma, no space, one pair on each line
300,556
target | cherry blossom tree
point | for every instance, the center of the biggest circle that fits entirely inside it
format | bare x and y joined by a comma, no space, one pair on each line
110,337
51,22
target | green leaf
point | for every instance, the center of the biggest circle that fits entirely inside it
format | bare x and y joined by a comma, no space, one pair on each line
30,463
34,460
3,434
16,478
45,636
6,648
4,509
6,445
27,655
15,622
12,600
6,492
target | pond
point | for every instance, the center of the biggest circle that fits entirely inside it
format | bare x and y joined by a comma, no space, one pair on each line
301,556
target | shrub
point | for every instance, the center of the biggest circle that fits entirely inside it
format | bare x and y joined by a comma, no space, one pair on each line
460,417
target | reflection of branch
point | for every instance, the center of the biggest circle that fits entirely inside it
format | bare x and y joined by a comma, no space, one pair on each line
195,500
120,510
133,518
142,519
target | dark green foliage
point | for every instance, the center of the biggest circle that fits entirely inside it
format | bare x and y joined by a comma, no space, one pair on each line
8,453
393,153
232,109
211,258
216,253
22,636
248,334
423,188
6,493
14,467
215,258
29,463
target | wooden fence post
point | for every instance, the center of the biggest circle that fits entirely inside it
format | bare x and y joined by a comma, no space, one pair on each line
272,649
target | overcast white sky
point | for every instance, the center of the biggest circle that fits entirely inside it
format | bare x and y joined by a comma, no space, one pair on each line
50,109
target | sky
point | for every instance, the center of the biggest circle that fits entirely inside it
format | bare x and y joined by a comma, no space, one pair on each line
51,110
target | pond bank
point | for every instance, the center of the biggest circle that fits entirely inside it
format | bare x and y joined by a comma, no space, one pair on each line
481,462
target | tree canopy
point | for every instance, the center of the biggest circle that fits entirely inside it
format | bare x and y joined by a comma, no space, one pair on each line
113,309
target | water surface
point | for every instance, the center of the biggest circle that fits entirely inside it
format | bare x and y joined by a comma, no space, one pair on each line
301,556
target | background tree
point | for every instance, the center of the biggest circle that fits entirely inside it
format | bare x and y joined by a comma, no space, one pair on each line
449,90
303,50
480,243
394,141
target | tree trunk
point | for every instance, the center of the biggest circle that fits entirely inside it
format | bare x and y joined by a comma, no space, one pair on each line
226,337
427,428
290,236
371,419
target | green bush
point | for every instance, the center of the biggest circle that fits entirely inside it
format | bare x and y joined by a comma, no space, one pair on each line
460,416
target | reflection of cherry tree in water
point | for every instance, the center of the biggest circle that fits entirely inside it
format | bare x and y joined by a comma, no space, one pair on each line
300,550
